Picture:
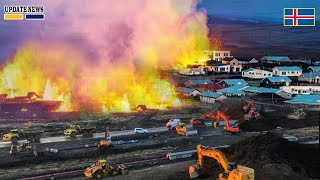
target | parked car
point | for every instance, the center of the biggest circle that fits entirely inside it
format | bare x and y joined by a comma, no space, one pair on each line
140,131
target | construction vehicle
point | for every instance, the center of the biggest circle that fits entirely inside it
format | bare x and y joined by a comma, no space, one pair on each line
85,130
182,129
106,142
229,128
172,124
297,115
252,115
231,170
24,148
200,121
31,135
247,108
102,168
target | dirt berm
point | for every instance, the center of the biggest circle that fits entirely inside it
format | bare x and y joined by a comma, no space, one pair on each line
272,156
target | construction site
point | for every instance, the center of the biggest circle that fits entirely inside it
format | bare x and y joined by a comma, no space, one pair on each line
150,90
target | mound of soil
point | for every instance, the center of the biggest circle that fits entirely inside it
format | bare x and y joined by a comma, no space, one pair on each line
271,154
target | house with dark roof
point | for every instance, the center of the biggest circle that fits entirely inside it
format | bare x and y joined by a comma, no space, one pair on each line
292,71
314,69
208,87
219,68
310,77
231,82
256,73
276,81
187,92
275,59
191,83
211,97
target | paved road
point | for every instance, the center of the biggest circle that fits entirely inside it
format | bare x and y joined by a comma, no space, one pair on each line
95,136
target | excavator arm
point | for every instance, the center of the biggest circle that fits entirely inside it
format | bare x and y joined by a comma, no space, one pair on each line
212,153
229,128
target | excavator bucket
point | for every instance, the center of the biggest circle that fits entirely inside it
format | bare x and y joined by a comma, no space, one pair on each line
193,172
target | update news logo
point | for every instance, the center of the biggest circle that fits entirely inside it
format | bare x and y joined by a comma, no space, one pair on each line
299,16
23,12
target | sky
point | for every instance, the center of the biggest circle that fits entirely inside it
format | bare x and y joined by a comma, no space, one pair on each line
266,10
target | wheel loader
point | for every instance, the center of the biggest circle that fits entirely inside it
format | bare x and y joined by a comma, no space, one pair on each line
231,170
103,168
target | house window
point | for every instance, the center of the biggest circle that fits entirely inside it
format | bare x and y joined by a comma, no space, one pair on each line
217,54
269,74
292,72
222,69
284,73
276,72
264,75
216,59
304,91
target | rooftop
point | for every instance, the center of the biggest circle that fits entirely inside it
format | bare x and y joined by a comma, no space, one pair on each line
231,82
314,68
288,68
311,75
203,81
186,90
252,69
244,58
218,64
276,58
279,79
260,89
305,99
210,94
236,89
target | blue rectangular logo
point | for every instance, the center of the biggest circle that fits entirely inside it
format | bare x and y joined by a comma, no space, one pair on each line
299,16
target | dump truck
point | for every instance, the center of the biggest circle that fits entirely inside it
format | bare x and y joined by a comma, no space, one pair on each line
172,124
85,130
184,130
102,168
24,148
32,135
231,170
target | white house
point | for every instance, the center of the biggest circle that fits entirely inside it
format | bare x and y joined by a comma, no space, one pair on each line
239,60
256,73
192,71
217,55
276,59
211,97
187,92
191,83
219,68
287,71
301,89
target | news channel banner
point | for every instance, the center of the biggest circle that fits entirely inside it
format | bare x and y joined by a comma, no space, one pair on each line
16,13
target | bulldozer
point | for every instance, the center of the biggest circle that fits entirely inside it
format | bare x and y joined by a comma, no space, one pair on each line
297,115
231,170
182,129
102,168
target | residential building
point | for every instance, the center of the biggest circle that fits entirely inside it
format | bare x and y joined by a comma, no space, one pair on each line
193,71
314,69
219,68
292,71
256,73
187,92
217,55
275,59
301,89
276,81
312,78
231,82
211,97
191,83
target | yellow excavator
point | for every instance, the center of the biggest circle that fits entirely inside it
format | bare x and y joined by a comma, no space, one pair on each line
231,170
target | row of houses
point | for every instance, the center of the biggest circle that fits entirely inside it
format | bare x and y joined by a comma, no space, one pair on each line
239,87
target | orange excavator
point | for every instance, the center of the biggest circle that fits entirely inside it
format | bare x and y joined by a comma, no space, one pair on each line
231,170
200,121
247,108
229,128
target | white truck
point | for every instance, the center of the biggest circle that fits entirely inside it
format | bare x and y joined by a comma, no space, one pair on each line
173,123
